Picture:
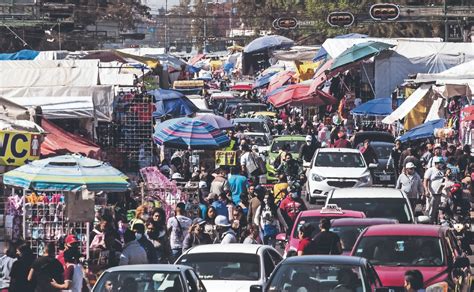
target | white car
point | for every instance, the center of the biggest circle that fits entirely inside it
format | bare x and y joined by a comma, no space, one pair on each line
259,139
231,267
336,168
375,203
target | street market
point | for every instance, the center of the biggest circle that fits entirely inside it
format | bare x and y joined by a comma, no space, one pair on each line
345,165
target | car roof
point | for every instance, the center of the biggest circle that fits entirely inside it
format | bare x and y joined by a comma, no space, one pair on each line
345,213
254,134
290,138
253,103
154,267
404,230
226,248
337,150
362,221
382,143
247,120
366,193
326,259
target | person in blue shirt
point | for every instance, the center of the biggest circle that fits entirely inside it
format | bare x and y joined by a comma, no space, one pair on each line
221,205
238,184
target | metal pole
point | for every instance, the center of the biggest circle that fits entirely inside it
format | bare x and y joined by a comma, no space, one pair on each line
230,20
205,27
445,22
59,34
166,26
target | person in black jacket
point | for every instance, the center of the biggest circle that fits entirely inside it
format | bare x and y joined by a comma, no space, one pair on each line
151,254
20,269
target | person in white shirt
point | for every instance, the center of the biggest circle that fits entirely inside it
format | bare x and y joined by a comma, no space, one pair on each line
433,184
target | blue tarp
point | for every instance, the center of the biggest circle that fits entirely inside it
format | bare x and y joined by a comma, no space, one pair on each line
263,80
374,107
20,55
172,103
423,131
322,54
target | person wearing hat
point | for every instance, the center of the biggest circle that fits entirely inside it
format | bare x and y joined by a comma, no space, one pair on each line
196,235
71,244
307,149
438,152
409,182
225,233
293,204
433,184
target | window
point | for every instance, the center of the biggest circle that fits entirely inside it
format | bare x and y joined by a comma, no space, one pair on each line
268,264
294,146
339,159
276,257
140,281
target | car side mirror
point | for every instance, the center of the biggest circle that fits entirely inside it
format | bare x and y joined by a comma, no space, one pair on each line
461,262
423,219
256,288
373,165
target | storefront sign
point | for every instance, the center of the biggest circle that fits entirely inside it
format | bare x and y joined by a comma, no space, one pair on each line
226,157
18,148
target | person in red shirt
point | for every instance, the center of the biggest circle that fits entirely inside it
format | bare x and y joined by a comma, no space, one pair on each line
342,142
292,204
70,243
305,246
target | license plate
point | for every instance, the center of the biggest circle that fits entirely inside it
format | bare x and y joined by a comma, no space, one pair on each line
385,177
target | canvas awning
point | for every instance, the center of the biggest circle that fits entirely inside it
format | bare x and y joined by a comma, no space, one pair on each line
407,105
61,107
59,142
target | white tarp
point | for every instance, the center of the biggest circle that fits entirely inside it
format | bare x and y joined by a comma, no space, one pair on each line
60,107
38,73
462,71
102,96
409,103
297,53
143,51
409,58
437,110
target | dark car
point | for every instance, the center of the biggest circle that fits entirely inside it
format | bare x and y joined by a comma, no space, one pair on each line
382,174
431,249
373,136
322,273
244,108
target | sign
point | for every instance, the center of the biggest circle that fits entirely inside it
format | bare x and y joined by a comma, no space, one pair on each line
226,157
340,19
385,11
285,23
18,148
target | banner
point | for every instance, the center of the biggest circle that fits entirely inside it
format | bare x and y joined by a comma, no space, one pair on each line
226,157
18,148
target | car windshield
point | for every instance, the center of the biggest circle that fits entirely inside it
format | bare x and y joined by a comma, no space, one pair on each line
318,277
391,208
294,146
401,250
134,281
383,151
348,235
259,140
313,221
224,266
245,108
339,159
253,126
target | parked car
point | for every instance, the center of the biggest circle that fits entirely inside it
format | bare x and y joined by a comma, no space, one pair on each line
431,249
253,125
322,273
294,142
312,217
374,202
163,278
233,267
336,168
349,229
383,174
245,108
373,136
259,139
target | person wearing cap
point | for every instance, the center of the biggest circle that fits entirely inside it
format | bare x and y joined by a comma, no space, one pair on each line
307,149
409,182
433,184
225,233
70,243
178,226
196,235
438,152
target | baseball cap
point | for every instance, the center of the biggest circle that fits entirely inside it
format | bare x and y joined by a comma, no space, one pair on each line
176,175
438,159
309,138
202,184
254,147
198,221
222,221
410,165
70,239
437,146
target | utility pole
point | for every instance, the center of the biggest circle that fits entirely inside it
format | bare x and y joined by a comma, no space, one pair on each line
166,26
204,50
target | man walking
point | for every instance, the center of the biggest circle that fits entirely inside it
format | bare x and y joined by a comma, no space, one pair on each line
409,182
433,184
178,227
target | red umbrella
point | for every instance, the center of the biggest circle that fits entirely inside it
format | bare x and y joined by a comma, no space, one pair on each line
279,80
296,94
469,118
320,76
469,109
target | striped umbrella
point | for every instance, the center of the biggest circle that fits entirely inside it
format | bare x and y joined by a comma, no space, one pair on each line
68,172
187,133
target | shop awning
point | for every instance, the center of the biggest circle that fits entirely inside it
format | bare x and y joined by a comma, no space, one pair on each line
407,105
60,107
59,141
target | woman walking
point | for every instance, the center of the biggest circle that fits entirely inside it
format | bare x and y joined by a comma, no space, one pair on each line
269,219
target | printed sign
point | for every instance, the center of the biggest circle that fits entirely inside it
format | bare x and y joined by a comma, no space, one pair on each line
226,157
18,148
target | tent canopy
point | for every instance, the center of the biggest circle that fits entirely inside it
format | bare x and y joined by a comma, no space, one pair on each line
268,42
172,103
20,55
61,107
423,131
409,103
374,107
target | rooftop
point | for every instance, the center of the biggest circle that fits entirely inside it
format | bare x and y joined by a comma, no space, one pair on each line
154,267
404,230
325,259
366,193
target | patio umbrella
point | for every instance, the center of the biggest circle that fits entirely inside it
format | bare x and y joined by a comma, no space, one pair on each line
469,118
217,122
187,133
375,107
320,76
279,80
172,103
67,173
268,42
359,52
263,80
423,131
468,109
296,94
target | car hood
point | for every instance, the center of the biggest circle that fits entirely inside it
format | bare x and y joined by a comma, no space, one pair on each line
340,172
395,276
237,286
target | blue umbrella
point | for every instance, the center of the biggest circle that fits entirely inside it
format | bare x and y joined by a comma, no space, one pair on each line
187,133
374,107
423,131
264,80
68,172
268,42
172,103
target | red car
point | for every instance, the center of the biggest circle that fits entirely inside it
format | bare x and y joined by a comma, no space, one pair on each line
431,249
313,217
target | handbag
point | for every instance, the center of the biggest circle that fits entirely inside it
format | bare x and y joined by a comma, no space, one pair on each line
269,230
